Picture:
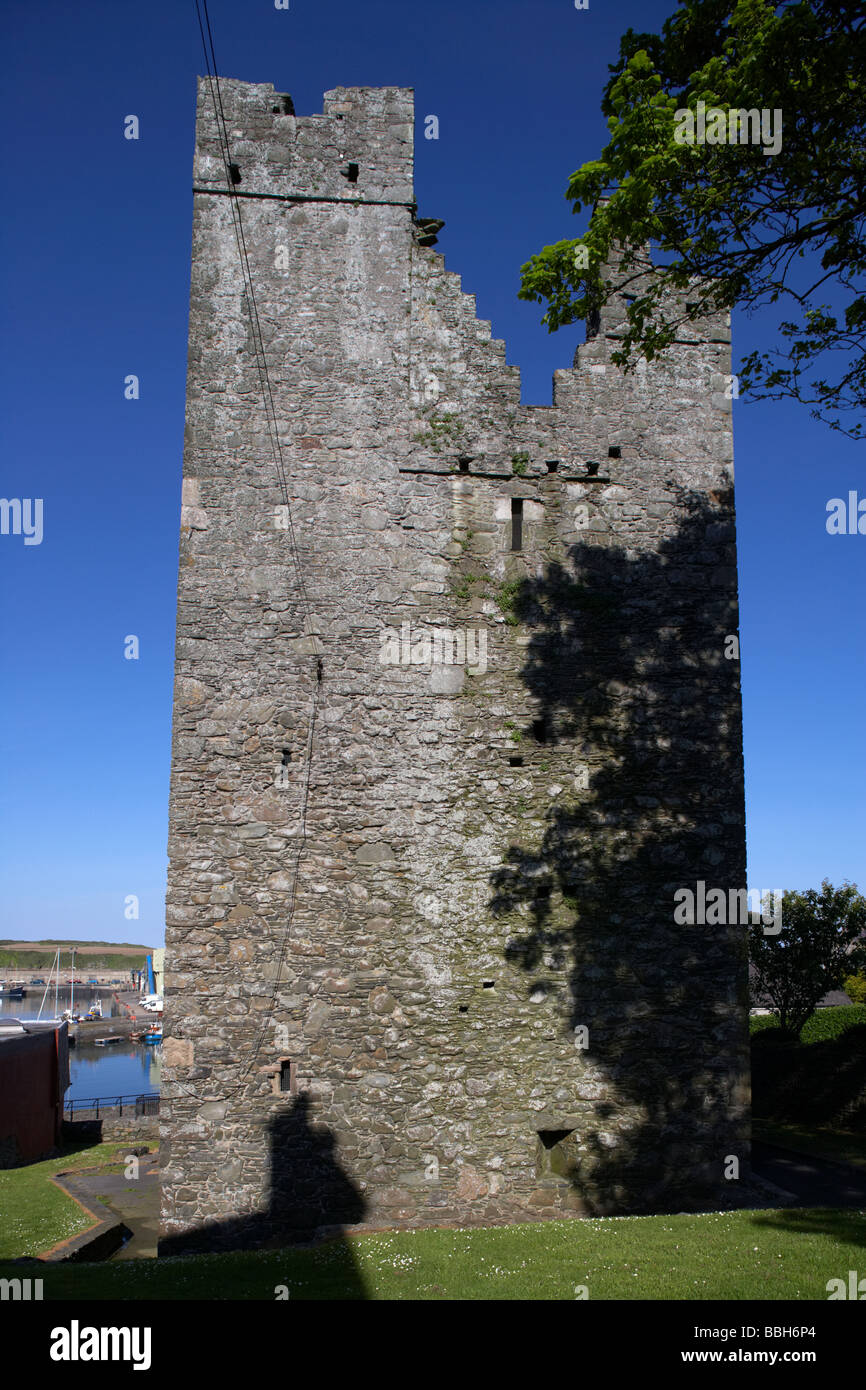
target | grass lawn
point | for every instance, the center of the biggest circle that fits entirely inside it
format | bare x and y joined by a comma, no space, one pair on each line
725,1255
34,1213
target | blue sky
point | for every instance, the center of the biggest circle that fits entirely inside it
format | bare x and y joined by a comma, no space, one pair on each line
95,255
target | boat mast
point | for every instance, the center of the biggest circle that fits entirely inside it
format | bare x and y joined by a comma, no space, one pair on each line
55,963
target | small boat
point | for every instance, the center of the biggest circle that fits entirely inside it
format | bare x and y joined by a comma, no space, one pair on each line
12,991
153,1036
106,1042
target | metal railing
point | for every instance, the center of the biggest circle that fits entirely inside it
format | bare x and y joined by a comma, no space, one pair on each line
133,1104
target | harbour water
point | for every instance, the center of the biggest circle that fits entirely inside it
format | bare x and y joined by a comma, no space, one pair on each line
124,1068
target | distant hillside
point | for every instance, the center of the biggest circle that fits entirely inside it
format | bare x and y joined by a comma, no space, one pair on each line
100,955
52,944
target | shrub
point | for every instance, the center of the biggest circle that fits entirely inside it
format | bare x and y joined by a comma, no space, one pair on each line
821,1026
818,1080
826,1024
855,987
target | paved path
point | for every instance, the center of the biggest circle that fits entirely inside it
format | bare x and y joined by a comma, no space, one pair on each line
136,1202
815,1182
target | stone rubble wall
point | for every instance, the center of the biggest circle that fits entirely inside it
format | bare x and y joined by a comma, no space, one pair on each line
488,860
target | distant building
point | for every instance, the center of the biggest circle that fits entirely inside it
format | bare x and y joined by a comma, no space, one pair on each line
159,970
34,1077
762,1003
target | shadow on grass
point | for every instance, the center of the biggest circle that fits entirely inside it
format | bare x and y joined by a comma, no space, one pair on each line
846,1226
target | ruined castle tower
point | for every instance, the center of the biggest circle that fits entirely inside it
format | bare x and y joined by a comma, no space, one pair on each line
454,720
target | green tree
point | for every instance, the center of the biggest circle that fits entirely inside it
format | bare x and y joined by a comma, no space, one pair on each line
814,951
730,223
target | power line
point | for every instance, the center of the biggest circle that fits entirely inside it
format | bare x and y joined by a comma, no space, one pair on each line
212,75
258,339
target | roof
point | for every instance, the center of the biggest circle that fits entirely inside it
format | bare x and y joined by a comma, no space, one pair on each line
17,1028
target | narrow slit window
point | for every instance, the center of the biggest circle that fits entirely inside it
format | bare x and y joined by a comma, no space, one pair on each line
285,1080
517,523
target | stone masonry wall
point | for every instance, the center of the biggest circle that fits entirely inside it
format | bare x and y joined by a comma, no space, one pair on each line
473,984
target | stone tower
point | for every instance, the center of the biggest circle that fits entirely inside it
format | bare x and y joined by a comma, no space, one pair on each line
453,723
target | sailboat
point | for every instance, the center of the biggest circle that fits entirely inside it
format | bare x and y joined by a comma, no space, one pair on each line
54,975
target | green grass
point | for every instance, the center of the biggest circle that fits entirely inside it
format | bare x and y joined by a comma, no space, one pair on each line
724,1255
34,1213
843,1146
824,1024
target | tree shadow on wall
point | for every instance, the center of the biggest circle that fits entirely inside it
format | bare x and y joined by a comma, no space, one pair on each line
626,663
309,1196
